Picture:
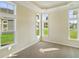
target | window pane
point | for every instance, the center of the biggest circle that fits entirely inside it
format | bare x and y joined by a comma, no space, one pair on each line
11,25
73,14
37,25
6,8
10,9
37,17
45,22
73,30
45,16
37,28
7,36
3,4
45,28
0,32
7,28
73,24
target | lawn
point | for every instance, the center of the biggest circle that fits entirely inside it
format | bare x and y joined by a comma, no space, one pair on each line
7,38
37,31
46,31
73,34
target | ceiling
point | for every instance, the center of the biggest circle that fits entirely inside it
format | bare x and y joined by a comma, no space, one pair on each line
49,4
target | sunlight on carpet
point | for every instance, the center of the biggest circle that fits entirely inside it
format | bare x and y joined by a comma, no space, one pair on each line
48,49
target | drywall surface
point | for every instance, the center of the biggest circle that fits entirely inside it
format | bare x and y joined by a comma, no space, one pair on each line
58,27
25,34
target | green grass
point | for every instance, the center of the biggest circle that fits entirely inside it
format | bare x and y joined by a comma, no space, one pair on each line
7,38
37,31
73,34
46,31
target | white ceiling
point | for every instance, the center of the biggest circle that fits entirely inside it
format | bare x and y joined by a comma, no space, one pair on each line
41,6
49,4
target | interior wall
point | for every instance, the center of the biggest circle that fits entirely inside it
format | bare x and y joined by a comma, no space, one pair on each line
25,34
58,27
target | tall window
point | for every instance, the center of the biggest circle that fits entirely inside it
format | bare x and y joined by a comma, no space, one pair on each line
7,23
73,24
45,23
37,29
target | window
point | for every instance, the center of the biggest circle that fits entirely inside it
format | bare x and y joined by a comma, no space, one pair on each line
41,25
37,25
7,23
6,7
73,24
45,23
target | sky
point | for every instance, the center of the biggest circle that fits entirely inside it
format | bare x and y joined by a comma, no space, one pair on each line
44,16
6,5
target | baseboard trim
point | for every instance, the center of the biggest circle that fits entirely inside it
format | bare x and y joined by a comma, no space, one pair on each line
61,44
20,50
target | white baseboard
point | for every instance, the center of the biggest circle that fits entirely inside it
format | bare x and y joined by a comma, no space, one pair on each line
61,43
20,49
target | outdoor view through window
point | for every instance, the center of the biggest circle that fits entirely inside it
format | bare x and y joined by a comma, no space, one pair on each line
7,23
73,22
42,24
45,23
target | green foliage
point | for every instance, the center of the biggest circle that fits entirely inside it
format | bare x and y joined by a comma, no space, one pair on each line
37,31
46,31
73,34
7,38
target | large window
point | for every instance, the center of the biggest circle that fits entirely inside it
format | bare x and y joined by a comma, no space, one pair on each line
6,7
73,24
41,25
45,23
37,29
7,23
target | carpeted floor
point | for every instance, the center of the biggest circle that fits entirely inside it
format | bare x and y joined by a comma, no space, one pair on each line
48,50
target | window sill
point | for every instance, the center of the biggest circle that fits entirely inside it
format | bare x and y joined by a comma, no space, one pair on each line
7,46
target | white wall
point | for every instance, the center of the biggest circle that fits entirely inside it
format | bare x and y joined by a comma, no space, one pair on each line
58,27
25,35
